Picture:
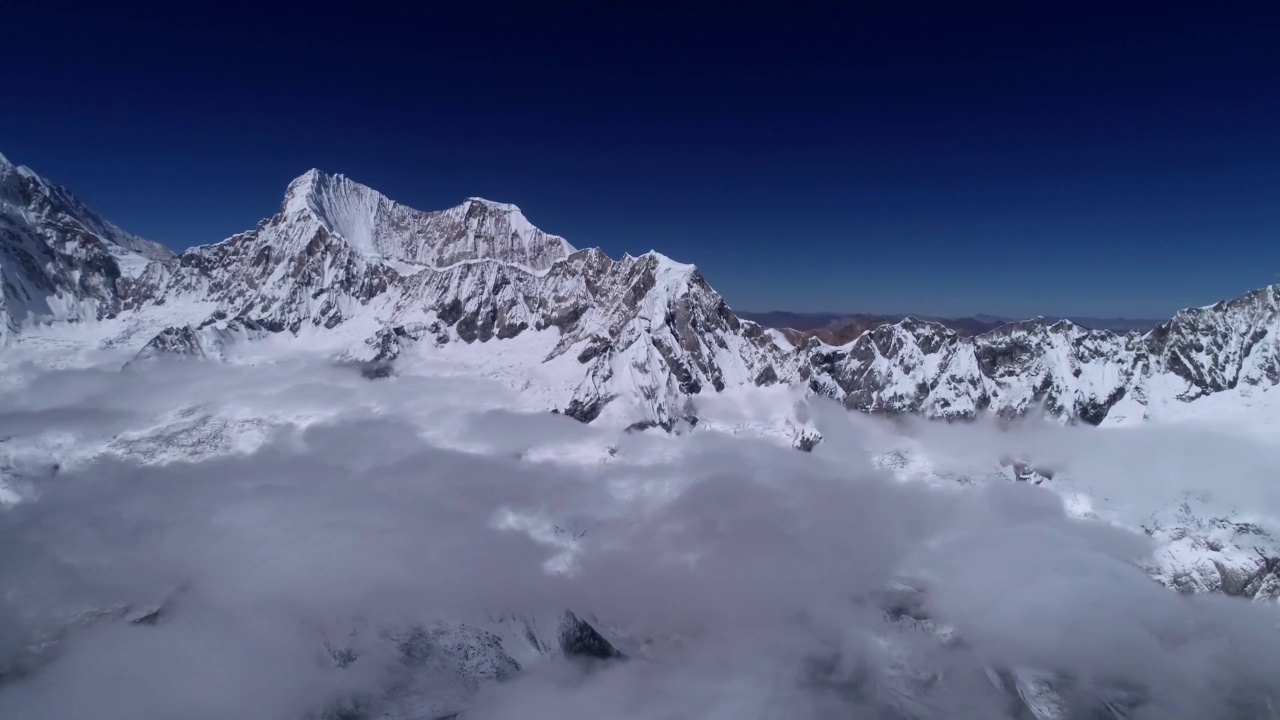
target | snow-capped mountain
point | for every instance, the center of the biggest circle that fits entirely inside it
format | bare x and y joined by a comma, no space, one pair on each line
208,341
59,261
646,330
1061,368
638,339
923,367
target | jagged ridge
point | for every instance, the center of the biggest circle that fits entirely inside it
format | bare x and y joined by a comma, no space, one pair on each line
645,329
647,335
1063,369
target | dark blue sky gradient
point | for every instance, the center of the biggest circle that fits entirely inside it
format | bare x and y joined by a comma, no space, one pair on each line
1118,159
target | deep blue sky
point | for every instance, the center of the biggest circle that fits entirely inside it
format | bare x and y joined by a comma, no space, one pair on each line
904,156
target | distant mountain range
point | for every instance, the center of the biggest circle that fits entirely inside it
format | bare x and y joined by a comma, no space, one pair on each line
840,328
636,340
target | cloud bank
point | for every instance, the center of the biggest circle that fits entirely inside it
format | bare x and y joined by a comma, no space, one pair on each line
340,547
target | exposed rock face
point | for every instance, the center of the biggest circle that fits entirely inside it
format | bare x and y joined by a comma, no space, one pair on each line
643,337
209,340
579,640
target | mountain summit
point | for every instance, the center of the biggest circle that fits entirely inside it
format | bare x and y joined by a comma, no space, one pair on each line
376,227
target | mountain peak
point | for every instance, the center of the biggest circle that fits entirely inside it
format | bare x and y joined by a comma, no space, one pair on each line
492,204
308,178
380,229
8,169
303,191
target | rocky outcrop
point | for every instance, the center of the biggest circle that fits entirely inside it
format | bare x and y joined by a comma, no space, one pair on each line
209,340
578,639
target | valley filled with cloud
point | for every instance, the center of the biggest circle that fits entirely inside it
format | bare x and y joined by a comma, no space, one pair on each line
292,539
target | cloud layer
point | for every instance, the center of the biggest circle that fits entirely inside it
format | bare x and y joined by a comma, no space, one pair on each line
741,578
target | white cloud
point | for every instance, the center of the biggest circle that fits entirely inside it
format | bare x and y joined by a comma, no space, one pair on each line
744,579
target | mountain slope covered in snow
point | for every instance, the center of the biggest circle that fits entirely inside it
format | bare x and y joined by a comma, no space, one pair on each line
645,332
638,339
1061,368
60,261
